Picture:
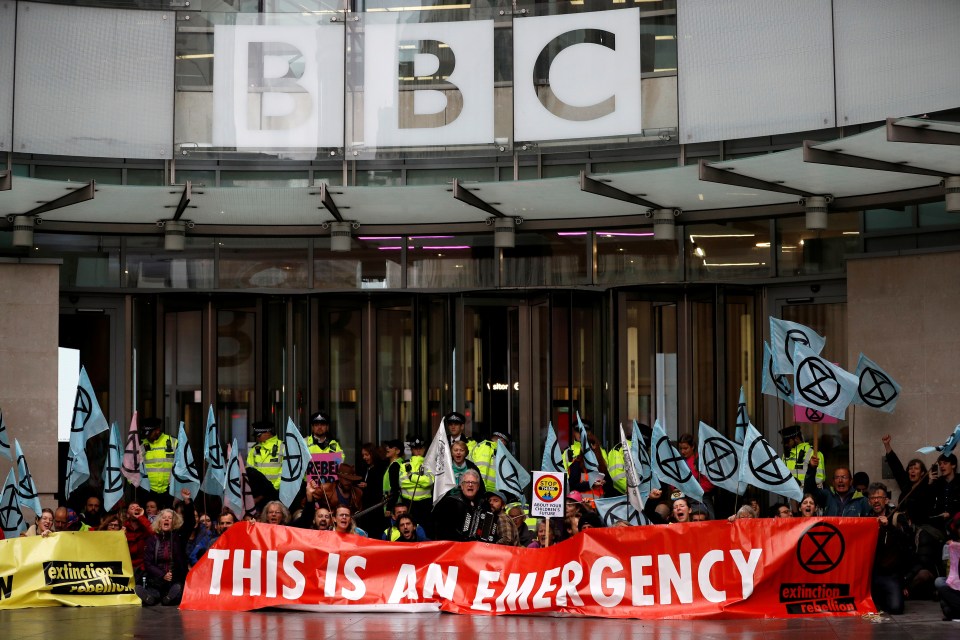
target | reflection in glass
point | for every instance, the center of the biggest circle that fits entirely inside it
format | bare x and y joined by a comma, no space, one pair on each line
150,266
738,249
546,259
373,262
88,261
255,263
448,261
803,252
632,256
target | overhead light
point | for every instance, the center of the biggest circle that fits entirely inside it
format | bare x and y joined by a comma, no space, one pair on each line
340,234
23,231
664,227
174,235
816,208
952,198
504,231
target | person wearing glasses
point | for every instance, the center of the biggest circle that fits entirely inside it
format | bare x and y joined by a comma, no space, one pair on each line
461,515
841,499
893,557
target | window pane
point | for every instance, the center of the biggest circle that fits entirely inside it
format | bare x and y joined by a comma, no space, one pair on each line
633,256
448,261
803,252
88,261
739,249
546,259
373,262
881,219
255,263
150,266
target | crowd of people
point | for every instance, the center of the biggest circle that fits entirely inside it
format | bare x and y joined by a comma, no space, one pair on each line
390,497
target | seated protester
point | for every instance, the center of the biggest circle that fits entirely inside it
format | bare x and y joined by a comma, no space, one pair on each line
508,535
343,522
207,537
944,494
696,515
66,519
524,535
92,514
138,529
914,484
681,509
344,491
781,510
110,522
274,512
841,499
458,451
201,530
590,520
314,515
459,514
892,558
540,541
571,526
408,529
809,507
323,519
861,482
579,479
392,532
152,510
948,588
43,527
165,558
746,511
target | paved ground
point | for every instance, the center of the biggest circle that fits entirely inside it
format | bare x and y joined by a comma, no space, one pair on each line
921,622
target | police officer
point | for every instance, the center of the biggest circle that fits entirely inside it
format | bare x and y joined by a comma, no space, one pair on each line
266,457
416,484
455,422
158,454
484,455
799,454
320,440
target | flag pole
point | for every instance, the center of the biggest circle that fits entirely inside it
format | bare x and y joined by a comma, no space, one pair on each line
548,531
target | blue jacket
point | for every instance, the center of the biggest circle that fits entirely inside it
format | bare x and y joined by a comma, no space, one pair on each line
854,504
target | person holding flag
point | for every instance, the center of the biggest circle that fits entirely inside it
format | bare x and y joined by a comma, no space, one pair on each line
580,475
158,458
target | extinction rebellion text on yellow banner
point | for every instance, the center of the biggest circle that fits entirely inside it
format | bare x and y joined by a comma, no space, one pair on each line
88,569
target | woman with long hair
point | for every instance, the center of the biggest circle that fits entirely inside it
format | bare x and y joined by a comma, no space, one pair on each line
165,557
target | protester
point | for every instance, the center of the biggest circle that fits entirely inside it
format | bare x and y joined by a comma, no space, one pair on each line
344,491
44,525
696,515
371,469
206,539
165,558
66,519
408,529
681,510
458,514
892,557
524,535
579,474
138,529
110,522
393,531
746,511
945,494
508,535
92,514
808,506
344,523
391,479
151,510
459,451
841,499
914,485
781,510
275,512
687,447
540,541
948,588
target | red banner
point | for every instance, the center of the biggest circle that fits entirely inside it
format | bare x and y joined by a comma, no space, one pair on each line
751,568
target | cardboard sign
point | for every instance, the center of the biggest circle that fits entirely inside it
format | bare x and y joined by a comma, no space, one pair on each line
324,467
547,494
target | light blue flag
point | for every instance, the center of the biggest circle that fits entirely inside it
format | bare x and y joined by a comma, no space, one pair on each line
185,473
295,458
215,478
88,421
552,456
618,509
875,388
775,384
784,335
947,447
113,470
762,467
719,459
11,517
742,418
821,385
630,465
27,492
511,476
144,478
590,463
670,466
641,455
237,495
4,440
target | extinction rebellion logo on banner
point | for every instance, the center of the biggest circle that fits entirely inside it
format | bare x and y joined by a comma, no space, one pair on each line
86,578
820,549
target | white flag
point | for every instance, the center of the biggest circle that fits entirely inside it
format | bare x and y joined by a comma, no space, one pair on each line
720,459
439,463
784,335
630,469
821,385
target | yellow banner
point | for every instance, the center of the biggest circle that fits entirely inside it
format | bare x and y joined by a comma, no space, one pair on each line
89,569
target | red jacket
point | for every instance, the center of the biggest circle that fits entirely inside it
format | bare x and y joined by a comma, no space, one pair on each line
137,540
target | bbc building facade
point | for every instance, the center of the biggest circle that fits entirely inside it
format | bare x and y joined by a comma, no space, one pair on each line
522,211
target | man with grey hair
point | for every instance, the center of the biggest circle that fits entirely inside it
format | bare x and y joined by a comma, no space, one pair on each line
461,515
